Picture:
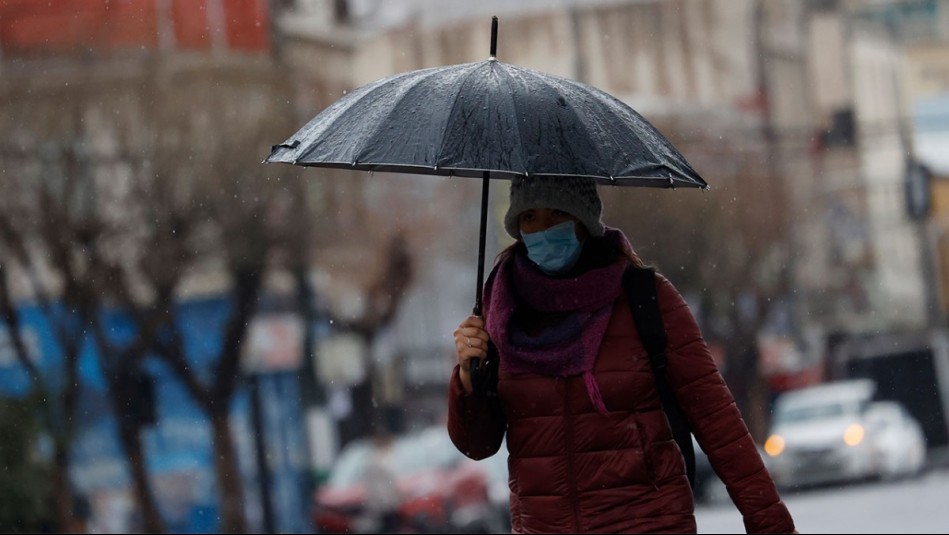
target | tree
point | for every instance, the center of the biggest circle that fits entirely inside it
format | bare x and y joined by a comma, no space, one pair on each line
125,202
383,297
67,241
51,251
26,483
201,205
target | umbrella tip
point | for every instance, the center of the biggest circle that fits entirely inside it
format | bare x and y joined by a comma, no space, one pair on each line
494,37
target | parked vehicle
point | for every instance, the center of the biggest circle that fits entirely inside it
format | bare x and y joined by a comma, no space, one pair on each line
899,439
835,432
443,491
901,363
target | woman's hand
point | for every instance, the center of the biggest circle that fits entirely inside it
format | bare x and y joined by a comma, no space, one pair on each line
471,341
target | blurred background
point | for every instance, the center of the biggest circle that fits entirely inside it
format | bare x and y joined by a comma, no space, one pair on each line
191,341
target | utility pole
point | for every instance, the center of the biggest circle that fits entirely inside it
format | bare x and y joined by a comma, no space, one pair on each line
260,446
918,193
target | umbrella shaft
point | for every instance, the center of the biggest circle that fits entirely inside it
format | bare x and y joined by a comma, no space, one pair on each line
485,184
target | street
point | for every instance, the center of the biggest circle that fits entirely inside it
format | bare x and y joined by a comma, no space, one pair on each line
913,506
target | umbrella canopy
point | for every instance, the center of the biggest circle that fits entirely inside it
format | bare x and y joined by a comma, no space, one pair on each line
489,120
465,120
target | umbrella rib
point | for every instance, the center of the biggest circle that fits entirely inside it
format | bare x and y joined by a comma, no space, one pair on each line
581,120
461,86
369,140
517,126
572,111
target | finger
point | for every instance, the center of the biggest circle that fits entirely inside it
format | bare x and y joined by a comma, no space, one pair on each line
480,339
479,342
469,336
476,347
474,332
468,330
473,321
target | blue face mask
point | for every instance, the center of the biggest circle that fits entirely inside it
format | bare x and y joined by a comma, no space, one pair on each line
554,250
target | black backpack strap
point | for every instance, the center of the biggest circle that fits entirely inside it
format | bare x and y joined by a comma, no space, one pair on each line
640,287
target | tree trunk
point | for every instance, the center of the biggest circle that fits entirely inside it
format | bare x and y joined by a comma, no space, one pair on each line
230,491
62,492
742,377
132,444
758,405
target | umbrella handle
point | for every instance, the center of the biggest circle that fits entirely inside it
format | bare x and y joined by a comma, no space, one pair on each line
484,377
475,371
475,364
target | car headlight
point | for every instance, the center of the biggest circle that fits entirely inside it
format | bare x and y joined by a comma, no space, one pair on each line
774,446
854,434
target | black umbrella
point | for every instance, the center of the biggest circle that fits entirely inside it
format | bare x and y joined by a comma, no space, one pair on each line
488,120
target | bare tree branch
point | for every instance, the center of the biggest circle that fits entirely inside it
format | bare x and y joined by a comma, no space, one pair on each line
12,319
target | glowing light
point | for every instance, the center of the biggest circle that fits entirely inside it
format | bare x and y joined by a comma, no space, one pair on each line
774,446
853,435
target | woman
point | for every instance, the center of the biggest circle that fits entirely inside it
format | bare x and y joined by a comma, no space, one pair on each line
590,449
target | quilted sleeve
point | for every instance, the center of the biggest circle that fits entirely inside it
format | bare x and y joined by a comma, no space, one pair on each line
715,419
476,424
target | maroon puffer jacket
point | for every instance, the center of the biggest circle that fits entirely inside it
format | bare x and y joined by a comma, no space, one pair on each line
574,470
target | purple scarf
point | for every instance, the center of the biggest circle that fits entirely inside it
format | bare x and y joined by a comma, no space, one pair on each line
574,314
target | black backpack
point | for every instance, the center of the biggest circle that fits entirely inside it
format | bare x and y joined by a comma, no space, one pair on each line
640,287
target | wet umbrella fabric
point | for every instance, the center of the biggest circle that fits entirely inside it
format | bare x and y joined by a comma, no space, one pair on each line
488,117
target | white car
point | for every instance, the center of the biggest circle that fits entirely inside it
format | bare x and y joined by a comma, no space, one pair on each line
898,438
836,432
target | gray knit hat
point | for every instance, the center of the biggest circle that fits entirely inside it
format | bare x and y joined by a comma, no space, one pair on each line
575,195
